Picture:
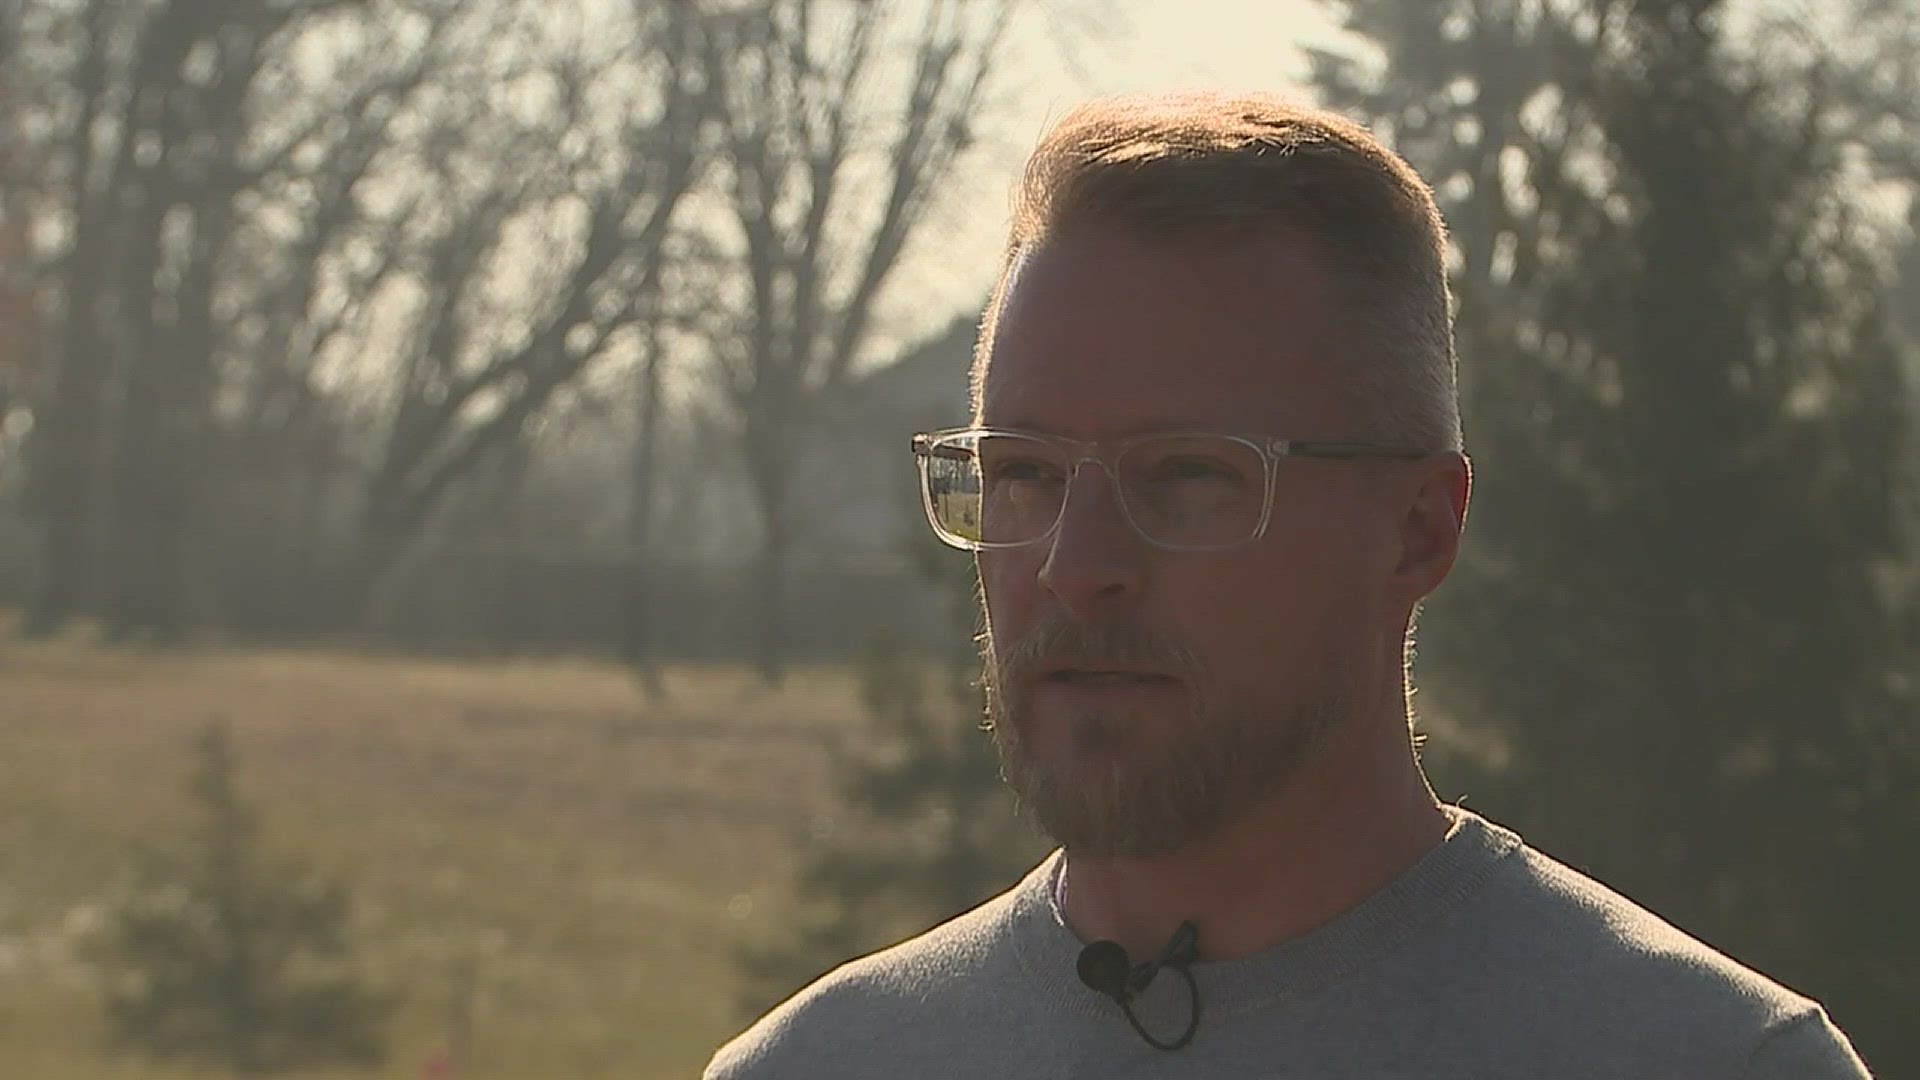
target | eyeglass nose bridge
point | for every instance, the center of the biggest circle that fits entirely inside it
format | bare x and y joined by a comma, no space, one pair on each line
1079,458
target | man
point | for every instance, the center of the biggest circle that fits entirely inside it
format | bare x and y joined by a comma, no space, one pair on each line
1215,466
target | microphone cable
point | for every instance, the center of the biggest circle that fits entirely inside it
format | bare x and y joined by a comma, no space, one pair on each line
1104,966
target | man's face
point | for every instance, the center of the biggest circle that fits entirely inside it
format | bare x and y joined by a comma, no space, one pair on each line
1141,698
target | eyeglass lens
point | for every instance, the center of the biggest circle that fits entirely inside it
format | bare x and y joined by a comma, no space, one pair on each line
1177,490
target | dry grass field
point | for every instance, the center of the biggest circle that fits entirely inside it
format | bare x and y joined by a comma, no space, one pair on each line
592,856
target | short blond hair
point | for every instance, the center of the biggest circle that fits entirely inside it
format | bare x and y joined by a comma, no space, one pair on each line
1236,165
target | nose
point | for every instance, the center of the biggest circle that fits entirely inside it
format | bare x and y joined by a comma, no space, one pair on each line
1095,564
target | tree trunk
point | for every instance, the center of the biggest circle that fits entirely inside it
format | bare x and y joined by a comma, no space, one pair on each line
64,461
64,456
638,616
769,579
770,582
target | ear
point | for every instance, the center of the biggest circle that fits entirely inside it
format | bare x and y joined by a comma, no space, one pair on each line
1430,524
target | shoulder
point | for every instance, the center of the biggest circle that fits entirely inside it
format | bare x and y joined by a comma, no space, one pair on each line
1630,974
1585,921
844,1022
809,1026
1805,1045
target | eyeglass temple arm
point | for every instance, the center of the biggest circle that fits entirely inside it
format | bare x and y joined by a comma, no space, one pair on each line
1348,450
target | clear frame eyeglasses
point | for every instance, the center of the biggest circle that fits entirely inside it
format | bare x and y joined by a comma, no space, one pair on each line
989,488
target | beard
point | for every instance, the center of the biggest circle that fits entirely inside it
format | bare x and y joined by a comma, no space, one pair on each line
1116,788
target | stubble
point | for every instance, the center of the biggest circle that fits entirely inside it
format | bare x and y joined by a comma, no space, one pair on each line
1116,788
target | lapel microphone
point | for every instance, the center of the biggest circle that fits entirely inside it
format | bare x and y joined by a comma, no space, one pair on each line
1104,966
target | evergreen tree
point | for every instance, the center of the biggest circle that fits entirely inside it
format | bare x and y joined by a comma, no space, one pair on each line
1686,604
222,956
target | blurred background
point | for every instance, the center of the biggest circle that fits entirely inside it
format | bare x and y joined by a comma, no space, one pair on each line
463,604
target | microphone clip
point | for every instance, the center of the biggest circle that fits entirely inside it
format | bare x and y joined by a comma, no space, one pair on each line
1104,966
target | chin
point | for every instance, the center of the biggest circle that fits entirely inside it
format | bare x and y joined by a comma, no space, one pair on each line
1147,782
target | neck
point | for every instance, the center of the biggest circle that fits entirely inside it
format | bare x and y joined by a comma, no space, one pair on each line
1357,818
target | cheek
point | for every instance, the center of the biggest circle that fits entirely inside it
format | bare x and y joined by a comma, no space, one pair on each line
1239,613
1271,612
1010,587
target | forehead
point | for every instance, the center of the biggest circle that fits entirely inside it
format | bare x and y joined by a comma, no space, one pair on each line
1106,334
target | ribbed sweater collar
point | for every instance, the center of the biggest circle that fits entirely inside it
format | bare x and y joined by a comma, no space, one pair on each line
1383,925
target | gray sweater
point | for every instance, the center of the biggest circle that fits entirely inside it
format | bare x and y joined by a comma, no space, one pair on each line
1487,959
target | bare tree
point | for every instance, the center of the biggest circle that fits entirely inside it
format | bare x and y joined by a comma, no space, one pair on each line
314,245
64,454
161,147
316,262
17,316
145,142
532,251
306,262
643,484
841,122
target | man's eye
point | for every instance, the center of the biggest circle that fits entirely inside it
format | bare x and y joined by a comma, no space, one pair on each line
1022,470
1194,469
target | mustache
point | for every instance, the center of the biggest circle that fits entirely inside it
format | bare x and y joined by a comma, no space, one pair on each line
1059,640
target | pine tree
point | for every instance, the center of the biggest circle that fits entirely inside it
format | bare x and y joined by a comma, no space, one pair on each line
222,956
1686,603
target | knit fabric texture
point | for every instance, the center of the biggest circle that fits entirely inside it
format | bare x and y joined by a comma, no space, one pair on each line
1486,959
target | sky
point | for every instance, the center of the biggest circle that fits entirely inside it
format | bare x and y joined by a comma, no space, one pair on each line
1059,53
1063,51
